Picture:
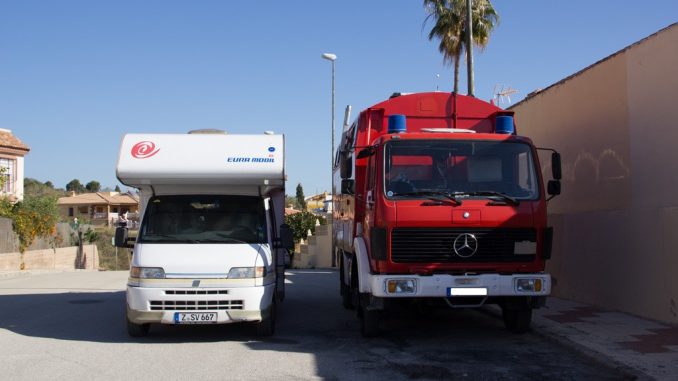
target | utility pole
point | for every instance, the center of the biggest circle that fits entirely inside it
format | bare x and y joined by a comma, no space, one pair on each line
469,45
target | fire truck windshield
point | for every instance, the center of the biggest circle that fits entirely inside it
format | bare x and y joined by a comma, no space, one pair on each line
461,169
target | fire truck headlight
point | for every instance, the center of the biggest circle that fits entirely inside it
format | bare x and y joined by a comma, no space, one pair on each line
529,285
401,286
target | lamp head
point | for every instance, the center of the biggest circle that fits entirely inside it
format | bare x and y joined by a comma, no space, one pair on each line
329,56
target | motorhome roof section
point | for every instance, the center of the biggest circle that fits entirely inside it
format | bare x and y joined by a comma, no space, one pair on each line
209,159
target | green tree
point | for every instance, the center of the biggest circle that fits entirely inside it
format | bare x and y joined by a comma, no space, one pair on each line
34,217
300,197
451,28
36,189
75,186
93,186
292,201
3,178
117,188
302,222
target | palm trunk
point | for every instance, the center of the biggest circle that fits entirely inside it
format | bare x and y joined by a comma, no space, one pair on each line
456,74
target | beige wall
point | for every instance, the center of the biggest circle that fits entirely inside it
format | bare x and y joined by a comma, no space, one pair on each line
49,259
616,126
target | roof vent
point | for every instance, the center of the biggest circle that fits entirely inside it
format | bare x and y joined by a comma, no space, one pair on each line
208,131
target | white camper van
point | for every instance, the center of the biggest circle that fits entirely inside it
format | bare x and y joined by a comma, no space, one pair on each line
211,246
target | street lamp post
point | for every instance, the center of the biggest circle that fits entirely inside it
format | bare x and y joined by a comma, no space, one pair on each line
332,57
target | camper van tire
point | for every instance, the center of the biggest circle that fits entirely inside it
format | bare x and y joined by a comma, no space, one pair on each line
266,327
137,330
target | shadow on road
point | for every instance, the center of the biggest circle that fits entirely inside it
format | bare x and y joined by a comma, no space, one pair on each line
447,344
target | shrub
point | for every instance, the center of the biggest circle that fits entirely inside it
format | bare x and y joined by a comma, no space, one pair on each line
33,217
302,222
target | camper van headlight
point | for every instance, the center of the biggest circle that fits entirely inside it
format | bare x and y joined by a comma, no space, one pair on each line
147,272
247,272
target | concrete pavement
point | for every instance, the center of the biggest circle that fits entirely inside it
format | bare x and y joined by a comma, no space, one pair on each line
640,348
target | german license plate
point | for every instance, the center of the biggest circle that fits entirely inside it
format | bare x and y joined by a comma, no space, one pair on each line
195,317
467,291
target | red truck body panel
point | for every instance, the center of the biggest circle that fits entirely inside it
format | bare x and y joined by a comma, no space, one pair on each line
423,111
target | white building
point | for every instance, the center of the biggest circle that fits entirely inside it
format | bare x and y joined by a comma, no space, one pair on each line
12,152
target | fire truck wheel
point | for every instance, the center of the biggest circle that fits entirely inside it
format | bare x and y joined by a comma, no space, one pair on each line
137,330
266,327
517,320
354,291
369,323
346,291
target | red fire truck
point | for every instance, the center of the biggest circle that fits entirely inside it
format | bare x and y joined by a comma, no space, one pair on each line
441,203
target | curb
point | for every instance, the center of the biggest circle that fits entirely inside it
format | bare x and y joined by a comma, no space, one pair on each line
10,274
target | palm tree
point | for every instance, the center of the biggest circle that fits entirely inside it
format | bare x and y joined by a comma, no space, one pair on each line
451,28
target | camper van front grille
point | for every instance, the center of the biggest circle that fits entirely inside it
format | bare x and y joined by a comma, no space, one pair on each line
196,292
195,305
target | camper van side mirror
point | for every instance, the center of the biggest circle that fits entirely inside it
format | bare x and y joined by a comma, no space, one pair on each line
286,237
121,237
556,166
347,186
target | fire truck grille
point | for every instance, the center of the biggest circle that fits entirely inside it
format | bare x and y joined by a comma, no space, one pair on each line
436,245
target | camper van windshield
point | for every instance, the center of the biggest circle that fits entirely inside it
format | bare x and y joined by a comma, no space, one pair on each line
204,219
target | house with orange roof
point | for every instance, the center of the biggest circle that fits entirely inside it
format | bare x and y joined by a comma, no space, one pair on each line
100,208
12,152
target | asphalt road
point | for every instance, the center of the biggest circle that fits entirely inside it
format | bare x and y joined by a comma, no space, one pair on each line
71,326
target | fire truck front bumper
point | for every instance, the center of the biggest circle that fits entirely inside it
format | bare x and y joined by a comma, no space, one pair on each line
443,285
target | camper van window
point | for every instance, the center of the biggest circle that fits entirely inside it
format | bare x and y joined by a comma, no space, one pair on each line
204,219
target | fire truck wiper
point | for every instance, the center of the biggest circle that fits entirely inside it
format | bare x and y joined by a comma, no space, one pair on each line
502,196
433,195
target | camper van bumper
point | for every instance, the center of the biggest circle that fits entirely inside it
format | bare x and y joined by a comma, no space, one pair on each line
155,305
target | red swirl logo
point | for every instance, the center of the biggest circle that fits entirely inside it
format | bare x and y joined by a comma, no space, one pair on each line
144,150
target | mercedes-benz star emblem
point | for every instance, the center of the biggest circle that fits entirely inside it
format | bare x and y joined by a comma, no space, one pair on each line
465,245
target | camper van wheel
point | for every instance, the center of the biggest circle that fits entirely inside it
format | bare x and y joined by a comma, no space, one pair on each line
266,327
137,330
517,320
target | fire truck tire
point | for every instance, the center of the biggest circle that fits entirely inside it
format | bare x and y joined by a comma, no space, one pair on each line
354,290
517,320
344,289
137,330
369,323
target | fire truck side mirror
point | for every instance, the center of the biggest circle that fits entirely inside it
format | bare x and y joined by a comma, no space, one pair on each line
553,188
345,164
556,166
347,186
366,152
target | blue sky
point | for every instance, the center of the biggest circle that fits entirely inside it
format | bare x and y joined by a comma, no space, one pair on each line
77,75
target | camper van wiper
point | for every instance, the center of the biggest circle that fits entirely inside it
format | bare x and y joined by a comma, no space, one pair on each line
215,240
433,195
158,237
502,196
